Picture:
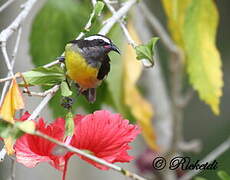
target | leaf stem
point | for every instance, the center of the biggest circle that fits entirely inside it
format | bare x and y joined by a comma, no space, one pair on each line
145,62
89,156
210,157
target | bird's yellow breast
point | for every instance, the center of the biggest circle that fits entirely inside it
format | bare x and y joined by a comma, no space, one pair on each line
80,71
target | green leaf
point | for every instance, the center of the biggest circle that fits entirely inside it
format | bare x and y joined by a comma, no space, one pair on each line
146,51
9,130
223,175
203,63
5,129
96,12
65,90
98,8
44,76
56,23
69,124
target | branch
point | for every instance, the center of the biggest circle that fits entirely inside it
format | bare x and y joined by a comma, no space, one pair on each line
6,58
210,157
4,6
10,65
157,90
9,78
17,75
2,154
40,94
179,100
116,16
44,102
145,62
91,157
12,169
10,70
160,30
94,2
193,146
6,33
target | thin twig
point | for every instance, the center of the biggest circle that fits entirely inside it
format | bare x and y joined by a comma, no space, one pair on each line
44,102
40,94
194,146
4,6
91,157
129,38
94,2
2,154
159,29
116,16
210,157
10,70
145,62
52,64
13,164
11,63
6,58
15,51
17,75
6,33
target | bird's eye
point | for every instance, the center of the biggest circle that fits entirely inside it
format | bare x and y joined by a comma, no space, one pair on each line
101,41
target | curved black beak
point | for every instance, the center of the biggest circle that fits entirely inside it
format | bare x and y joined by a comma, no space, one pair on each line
115,48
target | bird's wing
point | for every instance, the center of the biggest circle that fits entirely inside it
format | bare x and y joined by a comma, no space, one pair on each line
104,69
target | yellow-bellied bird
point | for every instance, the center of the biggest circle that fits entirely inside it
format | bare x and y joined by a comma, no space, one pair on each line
87,62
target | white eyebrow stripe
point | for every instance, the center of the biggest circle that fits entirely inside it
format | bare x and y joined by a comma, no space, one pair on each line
98,37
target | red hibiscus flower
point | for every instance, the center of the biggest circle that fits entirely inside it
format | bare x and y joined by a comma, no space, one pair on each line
102,133
105,135
31,150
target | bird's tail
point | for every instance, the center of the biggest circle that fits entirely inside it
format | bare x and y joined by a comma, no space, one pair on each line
90,94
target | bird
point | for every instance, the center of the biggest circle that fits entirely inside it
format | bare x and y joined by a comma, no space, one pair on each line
87,62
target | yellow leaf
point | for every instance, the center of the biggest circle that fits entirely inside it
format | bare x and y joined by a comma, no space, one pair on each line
204,63
140,108
12,102
7,111
175,11
18,102
9,145
192,24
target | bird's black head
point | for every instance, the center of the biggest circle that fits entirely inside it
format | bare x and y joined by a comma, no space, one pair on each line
96,46
102,42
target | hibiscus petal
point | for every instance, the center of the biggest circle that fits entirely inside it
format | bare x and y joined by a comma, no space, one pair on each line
105,135
31,149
